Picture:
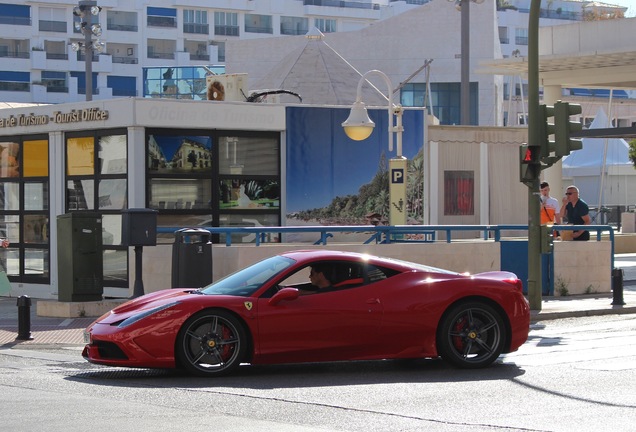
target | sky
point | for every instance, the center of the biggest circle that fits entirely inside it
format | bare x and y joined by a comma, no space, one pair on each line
630,4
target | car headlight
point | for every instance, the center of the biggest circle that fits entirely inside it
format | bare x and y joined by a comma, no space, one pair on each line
137,317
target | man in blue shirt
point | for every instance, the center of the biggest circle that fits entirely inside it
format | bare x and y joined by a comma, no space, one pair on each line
577,212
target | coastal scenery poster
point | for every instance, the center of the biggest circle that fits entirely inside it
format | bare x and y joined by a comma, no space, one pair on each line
333,180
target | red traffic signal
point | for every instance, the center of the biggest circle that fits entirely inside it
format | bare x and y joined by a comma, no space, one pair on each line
528,156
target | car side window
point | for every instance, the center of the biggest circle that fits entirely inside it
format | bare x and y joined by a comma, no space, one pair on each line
375,274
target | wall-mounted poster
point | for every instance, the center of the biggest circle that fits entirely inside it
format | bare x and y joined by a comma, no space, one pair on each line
249,194
171,154
333,180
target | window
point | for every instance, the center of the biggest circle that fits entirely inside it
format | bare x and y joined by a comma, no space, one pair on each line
445,98
122,85
258,23
16,48
220,50
459,193
226,24
15,81
121,21
184,82
161,17
293,25
503,35
81,82
96,180
161,48
55,50
325,25
52,19
214,179
13,14
521,36
195,21
24,208
56,82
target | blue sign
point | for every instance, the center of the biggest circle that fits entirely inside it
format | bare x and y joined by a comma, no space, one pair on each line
397,175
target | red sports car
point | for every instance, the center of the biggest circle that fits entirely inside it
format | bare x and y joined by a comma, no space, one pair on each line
374,308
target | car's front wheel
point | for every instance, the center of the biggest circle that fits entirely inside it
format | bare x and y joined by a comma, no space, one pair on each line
471,335
211,343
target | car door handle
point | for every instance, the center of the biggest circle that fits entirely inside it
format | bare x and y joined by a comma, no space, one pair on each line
373,301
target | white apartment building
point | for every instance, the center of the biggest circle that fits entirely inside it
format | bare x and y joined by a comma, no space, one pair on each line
513,36
148,43
37,63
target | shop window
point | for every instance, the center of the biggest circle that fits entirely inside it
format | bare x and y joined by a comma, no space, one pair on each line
36,158
459,193
80,156
202,179
97,180
24,209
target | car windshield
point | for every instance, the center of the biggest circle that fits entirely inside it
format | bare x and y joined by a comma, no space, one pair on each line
245,282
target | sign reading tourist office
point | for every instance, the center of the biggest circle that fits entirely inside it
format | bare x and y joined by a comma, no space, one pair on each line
59,117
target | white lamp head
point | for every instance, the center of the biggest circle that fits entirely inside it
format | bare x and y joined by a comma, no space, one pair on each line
358,126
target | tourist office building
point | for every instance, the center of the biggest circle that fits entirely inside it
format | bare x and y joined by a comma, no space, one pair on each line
197,163
181,158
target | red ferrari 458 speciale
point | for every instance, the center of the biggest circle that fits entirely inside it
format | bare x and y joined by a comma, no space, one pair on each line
374,308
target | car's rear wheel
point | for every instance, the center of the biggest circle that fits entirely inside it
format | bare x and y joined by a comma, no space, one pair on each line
471,335
211,342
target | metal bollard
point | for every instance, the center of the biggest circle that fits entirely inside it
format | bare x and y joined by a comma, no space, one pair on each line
617,287
24,318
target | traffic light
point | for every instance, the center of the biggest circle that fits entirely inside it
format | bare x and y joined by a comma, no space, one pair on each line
546,128
564,127
530,166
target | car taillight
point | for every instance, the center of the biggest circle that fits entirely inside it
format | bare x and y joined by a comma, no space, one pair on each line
516,282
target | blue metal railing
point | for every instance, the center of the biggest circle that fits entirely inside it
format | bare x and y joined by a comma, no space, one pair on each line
388,234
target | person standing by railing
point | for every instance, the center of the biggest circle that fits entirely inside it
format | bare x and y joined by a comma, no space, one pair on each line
549,206
577,212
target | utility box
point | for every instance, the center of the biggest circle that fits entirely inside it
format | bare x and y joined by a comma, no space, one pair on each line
192,258
80,265
139,227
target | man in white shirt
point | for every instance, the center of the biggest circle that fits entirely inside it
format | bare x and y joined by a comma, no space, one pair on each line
549,206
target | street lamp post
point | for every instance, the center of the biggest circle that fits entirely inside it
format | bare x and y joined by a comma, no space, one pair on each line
86,9
359,126
464,7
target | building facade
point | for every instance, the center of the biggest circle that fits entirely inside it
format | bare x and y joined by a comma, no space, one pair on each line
38,64
141,40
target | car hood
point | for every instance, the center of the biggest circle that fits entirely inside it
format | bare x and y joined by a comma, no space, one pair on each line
144,303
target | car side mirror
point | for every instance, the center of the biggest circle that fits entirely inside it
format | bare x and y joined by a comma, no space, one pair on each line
283,295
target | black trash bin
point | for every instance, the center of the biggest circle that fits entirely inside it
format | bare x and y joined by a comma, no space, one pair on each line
191,258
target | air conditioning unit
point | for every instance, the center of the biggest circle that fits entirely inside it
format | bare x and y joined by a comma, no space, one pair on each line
228,87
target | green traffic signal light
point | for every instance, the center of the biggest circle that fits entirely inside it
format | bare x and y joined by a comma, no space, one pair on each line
546,128
564,144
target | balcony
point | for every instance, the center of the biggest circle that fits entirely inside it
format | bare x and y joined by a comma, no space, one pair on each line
52,26
196,28
160,55
121,27
226,30
125,60
14,54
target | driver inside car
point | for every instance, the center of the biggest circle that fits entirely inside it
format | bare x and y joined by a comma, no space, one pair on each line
319,280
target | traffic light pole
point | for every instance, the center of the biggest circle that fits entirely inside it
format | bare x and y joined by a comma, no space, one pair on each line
534,207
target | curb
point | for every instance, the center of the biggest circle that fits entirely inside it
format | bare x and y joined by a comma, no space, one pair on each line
614,310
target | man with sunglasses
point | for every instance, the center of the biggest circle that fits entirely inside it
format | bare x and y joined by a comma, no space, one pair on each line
577,212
